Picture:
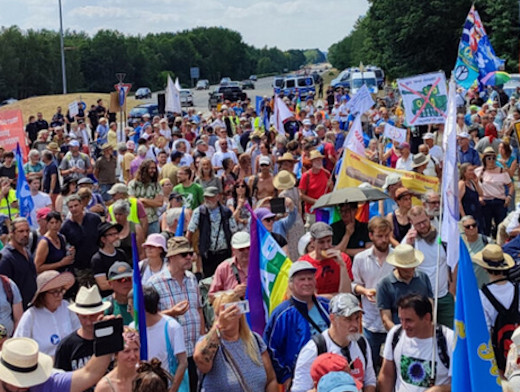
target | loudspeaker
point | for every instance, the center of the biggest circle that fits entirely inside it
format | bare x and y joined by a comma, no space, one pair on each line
161,102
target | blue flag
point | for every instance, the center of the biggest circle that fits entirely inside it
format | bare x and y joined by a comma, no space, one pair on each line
23,193
474,367
139,316
179,232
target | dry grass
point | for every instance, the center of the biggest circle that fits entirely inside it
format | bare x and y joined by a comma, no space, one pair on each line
47,104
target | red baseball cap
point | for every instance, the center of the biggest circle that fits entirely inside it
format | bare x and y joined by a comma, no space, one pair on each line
42,213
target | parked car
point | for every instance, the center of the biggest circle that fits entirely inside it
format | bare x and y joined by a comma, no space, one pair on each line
143,92
225,93
225,80
253,78
248,84
186,97
8,101
202,84
138,112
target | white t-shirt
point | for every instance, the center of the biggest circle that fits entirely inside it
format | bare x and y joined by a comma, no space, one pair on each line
412,359
147,274
46,327
157,340
40,200
217,159
302,381
404,164
504,293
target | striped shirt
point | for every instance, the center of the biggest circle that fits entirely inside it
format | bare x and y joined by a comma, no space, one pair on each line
172,292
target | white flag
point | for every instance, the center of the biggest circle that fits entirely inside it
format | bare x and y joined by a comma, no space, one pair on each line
450,191
394,133
281,113
173,96
354,140
360,102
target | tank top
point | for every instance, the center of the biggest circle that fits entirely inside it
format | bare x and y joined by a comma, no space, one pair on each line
470,202
126,243
56,254
399,229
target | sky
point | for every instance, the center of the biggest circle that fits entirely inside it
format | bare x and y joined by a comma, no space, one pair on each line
286,24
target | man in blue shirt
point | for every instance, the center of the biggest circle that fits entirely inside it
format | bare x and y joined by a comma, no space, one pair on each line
465,153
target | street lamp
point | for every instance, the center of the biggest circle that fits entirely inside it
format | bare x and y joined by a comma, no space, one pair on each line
63,75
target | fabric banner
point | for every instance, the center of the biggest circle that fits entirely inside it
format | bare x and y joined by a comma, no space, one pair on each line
12,131
354,139
23,192
425,98
474,367
450,187
357,169
281,113
394,133
360,102
172,96
268,275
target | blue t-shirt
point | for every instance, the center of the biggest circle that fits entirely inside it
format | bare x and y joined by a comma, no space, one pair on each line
315,316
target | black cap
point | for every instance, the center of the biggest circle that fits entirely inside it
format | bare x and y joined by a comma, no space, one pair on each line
105,226
174,195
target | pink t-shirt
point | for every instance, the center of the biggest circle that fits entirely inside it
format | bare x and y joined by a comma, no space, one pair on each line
493,183
224,278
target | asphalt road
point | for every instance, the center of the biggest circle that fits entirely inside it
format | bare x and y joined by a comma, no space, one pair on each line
263,86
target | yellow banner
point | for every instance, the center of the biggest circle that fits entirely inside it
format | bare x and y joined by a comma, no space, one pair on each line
357,169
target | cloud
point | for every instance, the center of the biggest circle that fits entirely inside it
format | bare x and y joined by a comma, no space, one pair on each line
283,23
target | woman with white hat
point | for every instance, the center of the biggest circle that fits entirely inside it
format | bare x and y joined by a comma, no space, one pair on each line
285,182
49,320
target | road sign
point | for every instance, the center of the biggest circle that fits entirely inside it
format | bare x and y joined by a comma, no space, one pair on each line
122,90
194,72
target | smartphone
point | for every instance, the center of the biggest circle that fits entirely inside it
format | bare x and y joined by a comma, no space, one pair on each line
278,205
243,306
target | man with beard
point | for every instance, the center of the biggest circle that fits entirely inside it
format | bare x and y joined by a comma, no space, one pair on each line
423,236
432,205
369,268
342,338
17,263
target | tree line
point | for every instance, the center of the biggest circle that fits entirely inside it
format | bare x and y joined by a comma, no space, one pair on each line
30,62
424,36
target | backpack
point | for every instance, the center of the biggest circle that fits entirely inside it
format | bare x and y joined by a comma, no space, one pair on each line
441,344
321,345
505,324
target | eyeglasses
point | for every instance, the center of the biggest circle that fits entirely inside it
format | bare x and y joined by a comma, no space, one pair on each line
186,254
56,292
241,186
271,219
470,226
111,234
434,202
123,280
167,184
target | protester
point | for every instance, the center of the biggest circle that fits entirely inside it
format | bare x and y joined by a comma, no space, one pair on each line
48,321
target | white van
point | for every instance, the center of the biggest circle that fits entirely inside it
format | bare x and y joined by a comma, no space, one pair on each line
358,79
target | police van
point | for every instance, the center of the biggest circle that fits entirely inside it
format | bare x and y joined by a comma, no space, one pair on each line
358,79
303,84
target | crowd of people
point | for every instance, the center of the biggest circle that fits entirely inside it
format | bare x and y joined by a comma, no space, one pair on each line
358,313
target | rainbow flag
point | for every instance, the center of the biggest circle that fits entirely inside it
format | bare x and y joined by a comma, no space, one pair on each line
298,107
139,316
268,275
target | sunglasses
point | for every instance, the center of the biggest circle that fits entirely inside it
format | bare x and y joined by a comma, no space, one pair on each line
264,165
186,254
491,158
470,226
241,186
123,280
271,219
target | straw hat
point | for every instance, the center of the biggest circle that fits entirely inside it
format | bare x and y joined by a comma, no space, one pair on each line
315,154
287,157
284,180
493,258
489,151
88,301
22,365
405,256
50,280
420,159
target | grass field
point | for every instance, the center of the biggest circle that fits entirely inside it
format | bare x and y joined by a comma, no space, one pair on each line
47,104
